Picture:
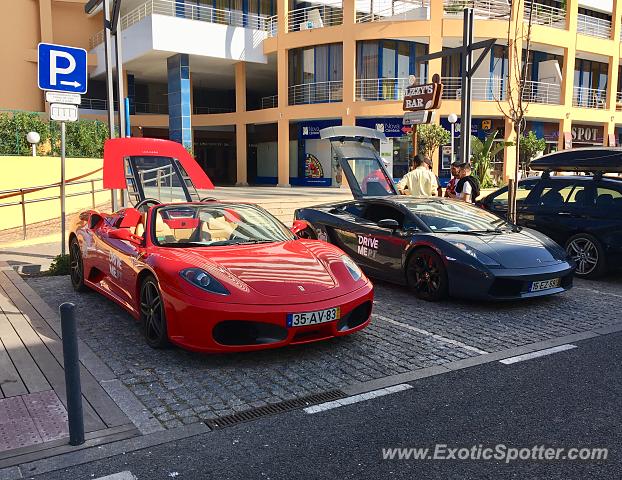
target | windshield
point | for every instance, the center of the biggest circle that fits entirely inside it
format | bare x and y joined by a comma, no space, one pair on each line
191,225
456,217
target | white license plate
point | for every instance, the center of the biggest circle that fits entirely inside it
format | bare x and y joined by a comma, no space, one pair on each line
545,284
304,319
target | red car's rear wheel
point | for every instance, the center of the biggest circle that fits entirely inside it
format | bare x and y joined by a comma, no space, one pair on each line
152,318
76,266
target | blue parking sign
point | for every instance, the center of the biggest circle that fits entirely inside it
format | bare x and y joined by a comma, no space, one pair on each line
62,69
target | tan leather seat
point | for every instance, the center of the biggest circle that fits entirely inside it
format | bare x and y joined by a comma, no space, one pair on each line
220,229
164,233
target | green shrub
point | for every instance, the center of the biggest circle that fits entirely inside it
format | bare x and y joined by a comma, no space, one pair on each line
61,265
14,127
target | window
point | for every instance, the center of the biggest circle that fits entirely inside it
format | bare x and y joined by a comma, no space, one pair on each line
523,191
556,194
608,198
355,209
376,212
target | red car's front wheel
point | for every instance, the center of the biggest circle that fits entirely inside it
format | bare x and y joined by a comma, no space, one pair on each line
152,318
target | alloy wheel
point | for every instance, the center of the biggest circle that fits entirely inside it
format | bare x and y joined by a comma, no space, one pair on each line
585,254
75,265
152,314
425,274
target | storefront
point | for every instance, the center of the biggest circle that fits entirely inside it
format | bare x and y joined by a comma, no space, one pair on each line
397,150
314,166
548,131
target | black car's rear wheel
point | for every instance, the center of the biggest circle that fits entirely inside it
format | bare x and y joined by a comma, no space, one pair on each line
588,254
152,318
426,275
76,266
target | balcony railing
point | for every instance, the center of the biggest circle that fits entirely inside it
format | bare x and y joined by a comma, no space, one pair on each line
319,92
546,15
542,92
316,16
200,110
270,102
378,89
589,98
135,107
484,89
595,27
391,10
203,13
492,9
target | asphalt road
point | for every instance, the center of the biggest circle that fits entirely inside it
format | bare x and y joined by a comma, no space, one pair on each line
564,400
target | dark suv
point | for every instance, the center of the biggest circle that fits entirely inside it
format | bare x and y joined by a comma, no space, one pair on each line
583,213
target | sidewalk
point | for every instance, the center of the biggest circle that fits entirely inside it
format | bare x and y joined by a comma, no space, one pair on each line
33,419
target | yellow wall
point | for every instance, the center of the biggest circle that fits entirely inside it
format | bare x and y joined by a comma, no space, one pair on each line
21,172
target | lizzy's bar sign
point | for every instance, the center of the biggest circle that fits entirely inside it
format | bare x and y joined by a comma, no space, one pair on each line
422,97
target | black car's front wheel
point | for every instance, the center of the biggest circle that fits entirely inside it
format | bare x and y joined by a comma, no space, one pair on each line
152,318
427,275
588,254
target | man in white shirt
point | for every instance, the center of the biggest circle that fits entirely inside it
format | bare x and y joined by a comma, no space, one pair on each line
419,182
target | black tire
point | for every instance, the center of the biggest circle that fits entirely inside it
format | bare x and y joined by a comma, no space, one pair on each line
426,275
76,266
588,254
152,318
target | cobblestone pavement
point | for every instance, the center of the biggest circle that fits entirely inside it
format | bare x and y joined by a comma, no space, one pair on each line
182,387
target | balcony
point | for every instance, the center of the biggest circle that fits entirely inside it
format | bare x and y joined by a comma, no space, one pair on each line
491,9
379,89
484,89
391,10
316,16
542,92
271,101
202,13
589,98
594,27
546,15
319,92
201,110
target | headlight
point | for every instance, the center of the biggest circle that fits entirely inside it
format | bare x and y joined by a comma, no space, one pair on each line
200,278
352,267
479,256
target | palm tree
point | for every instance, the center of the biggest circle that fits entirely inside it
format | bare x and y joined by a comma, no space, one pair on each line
483,154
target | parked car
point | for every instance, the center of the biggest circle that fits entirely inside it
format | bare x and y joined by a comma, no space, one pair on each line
581,212
207,275
436,246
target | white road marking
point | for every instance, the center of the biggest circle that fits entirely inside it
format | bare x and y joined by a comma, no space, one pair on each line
539,353
593,290
433,335
357,398
126,475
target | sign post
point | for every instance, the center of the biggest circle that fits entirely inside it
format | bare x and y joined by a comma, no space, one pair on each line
62,74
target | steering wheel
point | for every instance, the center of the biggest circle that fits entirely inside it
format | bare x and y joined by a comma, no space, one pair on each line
146,203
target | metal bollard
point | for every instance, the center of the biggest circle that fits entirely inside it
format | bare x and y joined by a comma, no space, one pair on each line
71,360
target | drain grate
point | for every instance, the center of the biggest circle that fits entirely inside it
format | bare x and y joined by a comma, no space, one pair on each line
275,408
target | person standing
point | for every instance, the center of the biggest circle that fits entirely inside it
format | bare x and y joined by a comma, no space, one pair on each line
450,191
420,181
467,188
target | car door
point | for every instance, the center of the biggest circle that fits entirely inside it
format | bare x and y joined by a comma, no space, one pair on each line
118,257
559,207
497,202
603,216
379,250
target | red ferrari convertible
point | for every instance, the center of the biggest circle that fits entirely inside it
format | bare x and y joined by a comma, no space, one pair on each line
207,275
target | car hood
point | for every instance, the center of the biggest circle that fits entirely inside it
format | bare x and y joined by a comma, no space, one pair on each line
282,269
521,249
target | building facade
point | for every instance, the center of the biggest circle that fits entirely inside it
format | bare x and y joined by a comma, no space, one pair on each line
248,84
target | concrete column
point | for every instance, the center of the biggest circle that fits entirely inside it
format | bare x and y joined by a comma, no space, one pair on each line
179,100
241,143
349,59
45,21
130,89
609,128
435,40
282,10
283,151
570,54
565,126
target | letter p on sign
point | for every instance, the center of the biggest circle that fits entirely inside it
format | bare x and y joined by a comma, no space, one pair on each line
62,69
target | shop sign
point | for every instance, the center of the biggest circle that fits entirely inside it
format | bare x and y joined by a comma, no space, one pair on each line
391,127
587,134
423,97
311,130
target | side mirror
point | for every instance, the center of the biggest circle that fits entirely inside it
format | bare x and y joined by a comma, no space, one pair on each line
125,235
389,223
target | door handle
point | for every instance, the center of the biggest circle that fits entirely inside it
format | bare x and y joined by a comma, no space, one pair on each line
567,214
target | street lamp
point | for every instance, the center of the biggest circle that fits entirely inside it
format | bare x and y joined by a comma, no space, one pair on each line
33,138
452,119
